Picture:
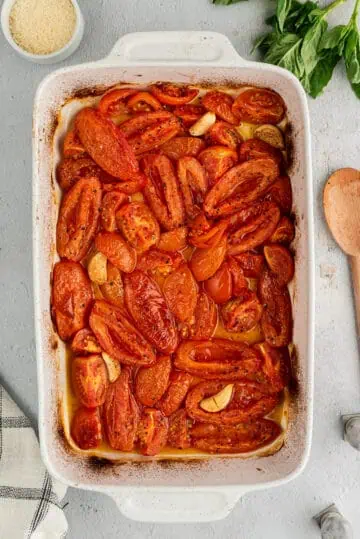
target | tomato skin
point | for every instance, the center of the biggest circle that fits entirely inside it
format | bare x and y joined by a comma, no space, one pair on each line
180,290
205,262
174,240
189,114
239,282
182,147
258,149
280,192
118,337
159,262
206,318
150,312
284,232
240,187
170,94
217,160
162,192
78,219
143,102
86,428
89,380
110,204
178,435
70,171
224,134
280,262
71,298
251,264
193,183
152,431
218,359
72,147
205,235
242,313
276,321
151,382
113,103
259,106
178,387
150,130
220,103
276,366
240,438
121,413
117,250
106,144
219,286
113,289
84,341
139,226
129,188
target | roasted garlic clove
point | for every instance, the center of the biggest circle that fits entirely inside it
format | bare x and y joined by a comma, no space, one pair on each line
97,268
203,124
113,367
270,134
218,402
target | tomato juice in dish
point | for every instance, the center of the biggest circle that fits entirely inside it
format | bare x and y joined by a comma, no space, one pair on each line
172,287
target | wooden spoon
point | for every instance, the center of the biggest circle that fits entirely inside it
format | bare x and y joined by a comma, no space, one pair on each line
342,212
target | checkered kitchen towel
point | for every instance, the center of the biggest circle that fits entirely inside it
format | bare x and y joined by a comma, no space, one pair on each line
30,500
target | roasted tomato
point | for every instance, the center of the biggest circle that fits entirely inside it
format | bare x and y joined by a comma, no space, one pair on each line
86,428
176,392
78,219
240,438
240,186
159,263
217,160
70,171
106,144
206,318
117,250
280,261
89,380
113,103
85,341
174,240
276,366
113,289
205,262
239,282
219,286
258,149
71,298
150,312
151,382
280,193
129,188
182,147
143,102
178,434
110,205
162,191
285,231
242,313
121,413
138,225
150,130
180,291
251,264
189,114
220,103
256,230
276,321
152,431
259,106
118,337
248,402
170,94
218,359
204,234
194,184
223,134
72,147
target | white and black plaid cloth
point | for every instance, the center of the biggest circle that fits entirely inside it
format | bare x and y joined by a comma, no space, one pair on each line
30,500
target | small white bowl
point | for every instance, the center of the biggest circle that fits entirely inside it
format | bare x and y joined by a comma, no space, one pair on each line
53,57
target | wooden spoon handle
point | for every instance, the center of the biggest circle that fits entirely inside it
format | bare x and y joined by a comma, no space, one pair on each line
355,270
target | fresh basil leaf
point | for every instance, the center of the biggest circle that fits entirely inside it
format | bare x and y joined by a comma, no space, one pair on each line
352,56
264,42
282,9
226,2
356,88
323,71
312,38
302,15
333,38
285,52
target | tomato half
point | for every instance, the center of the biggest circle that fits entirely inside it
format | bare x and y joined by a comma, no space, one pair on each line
276,321
224,134
239,282
280,192
182,147
71,298
174,240
259,106
143,102
242,313
203,234
152,382
117,250
276,366
78,219
217,160
150,311
86,428
285,231
189,114
113,103
193,183
180,291
106,144
138,225
129,188
251,264
72,147
111,202
206,318
258,149
219,286
170,94
150,130
220,103
157,262
89,380
281,262
113,289
70,171
205,262
84,341
178,434
152,431
179,385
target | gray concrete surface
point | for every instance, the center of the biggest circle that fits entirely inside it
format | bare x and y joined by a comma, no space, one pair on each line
333,474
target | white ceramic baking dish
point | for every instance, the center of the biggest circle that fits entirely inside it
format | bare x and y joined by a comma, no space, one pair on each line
175,490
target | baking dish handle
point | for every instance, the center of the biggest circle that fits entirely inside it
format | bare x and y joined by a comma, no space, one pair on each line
182,505
181,48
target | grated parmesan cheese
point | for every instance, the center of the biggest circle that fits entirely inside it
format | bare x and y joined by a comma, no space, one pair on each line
42,26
